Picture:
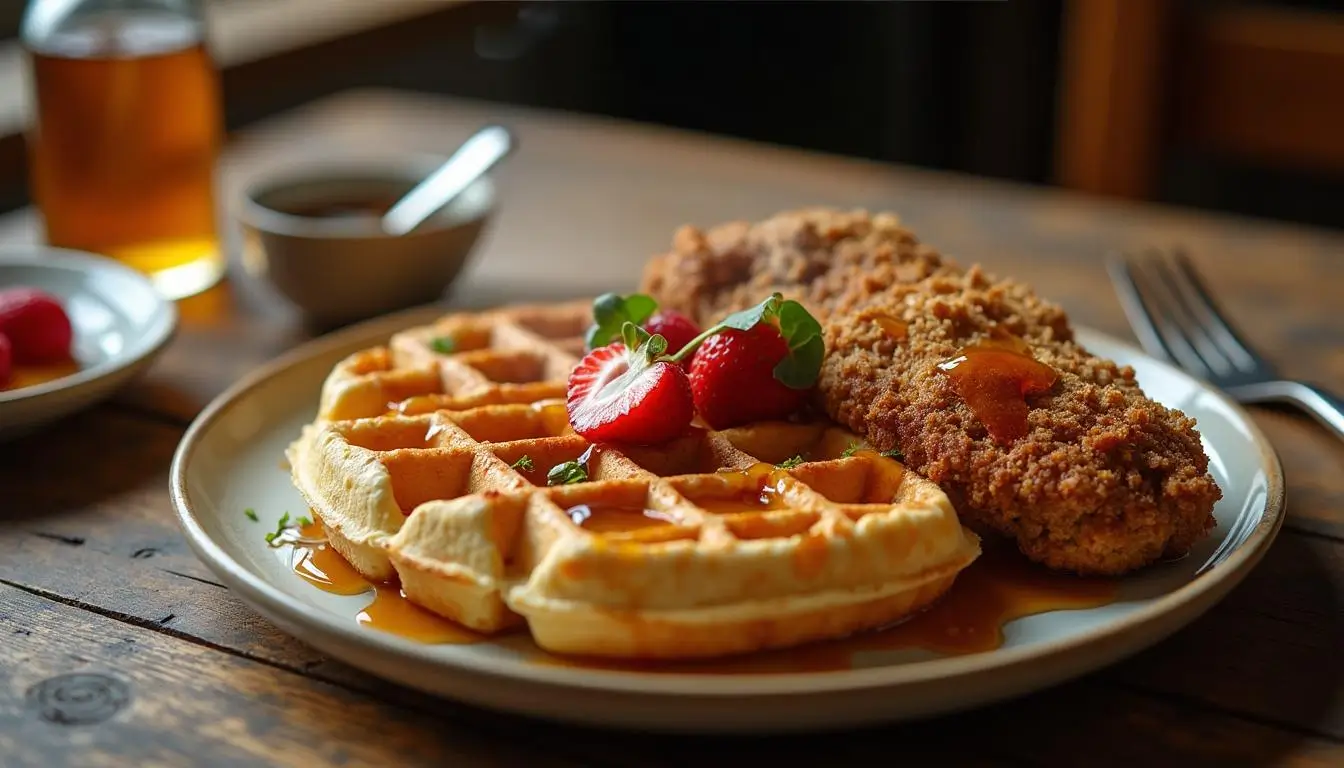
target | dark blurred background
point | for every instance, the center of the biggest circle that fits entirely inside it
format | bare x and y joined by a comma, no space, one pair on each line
1234,106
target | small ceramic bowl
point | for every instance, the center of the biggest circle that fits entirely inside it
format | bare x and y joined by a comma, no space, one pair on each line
120,325
313,235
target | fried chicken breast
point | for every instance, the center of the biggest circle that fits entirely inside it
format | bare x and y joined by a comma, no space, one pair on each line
1098,479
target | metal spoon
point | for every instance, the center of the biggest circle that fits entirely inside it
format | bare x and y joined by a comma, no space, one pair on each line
477,155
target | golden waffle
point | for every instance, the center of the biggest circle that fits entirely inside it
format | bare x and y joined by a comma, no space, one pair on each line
518,355
699,547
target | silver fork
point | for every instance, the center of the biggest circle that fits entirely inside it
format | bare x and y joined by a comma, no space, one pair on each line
1177,320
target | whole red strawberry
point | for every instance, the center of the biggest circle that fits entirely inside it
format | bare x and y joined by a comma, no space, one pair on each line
678,329
733,378
38,329
6,362
619,396
757,365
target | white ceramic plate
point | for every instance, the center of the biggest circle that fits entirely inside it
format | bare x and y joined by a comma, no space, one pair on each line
120,325
231,457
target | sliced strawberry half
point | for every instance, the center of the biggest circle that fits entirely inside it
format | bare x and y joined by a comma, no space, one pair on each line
618,395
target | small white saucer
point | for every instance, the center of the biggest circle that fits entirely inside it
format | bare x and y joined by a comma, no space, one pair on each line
120,325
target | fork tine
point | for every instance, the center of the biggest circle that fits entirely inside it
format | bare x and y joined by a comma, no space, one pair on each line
1220,331
1192,326
1167,316
1127,290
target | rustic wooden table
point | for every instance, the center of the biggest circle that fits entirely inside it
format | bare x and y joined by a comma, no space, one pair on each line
120,648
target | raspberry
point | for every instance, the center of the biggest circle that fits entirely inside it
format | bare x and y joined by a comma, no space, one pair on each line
38,329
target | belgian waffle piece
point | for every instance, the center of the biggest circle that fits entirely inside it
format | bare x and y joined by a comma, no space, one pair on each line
519,355
719,542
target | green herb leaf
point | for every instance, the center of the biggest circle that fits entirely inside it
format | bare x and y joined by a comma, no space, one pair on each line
790,463
279,531
802,332
634,337
523,463
612,311
894,453
850,450
748,318
444,345
566,474
251,515
656,345
304,522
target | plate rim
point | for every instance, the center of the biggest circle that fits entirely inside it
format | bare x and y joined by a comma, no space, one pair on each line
162,330
268,599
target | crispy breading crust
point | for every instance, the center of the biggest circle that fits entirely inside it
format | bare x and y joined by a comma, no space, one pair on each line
1105,481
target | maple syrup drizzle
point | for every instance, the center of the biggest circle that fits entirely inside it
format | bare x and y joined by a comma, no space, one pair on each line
999,587
994,377
21,376
894,327
391,612
764,493
318,563
612,518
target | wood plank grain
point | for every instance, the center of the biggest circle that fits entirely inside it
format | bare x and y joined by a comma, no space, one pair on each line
109,543
79,689
1270,650
1074,725
148,699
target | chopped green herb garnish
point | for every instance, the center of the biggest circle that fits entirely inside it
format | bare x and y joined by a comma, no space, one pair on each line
894,453
251,515
567,473
790,463
279,529
444,345
524,463
850,450
304,522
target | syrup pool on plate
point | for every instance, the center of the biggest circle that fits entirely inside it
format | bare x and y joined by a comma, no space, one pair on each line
1000,586
312,559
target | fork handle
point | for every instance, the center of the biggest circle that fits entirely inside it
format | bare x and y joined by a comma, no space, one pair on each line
1326,407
